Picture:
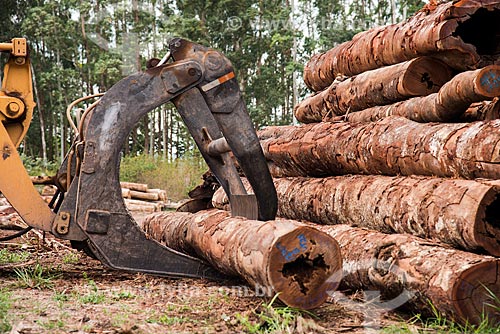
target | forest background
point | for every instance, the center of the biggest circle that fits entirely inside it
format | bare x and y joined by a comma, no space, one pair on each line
80,47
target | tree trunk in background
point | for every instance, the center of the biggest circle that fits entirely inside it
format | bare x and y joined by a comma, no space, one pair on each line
40,117
431,31
418,77
392,146
397,265
286,257
461,213
450,103
482,111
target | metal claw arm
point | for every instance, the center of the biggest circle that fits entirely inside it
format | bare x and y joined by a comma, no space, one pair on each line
216,117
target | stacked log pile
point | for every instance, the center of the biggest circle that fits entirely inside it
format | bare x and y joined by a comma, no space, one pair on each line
414,205
137,196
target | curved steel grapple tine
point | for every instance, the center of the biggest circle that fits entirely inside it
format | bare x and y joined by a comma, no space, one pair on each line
224,101
101,213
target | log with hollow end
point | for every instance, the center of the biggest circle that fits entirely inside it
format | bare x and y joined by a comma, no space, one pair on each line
286,257
464,34
459,285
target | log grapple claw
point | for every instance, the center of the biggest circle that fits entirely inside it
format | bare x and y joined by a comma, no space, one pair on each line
201,84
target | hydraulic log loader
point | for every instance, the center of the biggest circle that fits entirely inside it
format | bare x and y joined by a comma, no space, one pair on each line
88,208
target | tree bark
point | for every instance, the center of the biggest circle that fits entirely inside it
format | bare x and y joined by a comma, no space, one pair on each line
449,104
162,194
418,77
142,206
134,186
286,257
482,111
461,213
144,195
456,283
392,146
462,34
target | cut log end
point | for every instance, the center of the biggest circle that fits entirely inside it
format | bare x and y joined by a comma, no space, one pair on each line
488,223
488,81
305,266
425,76
476,293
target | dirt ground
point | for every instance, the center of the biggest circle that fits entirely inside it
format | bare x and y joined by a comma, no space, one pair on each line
47,287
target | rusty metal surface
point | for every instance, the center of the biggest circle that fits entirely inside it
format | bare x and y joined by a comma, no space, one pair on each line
211,105
464,34
392,146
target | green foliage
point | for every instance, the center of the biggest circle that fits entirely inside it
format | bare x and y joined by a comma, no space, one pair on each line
37,167
124,295
273,319
437,323
61,297
71,258
94,296
51,324
165,319
7,256
80,47
35,277
177,177
5,305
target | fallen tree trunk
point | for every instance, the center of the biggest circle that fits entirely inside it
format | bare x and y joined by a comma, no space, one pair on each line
464,34
482,111
450,103
142,206
286,257
418,77
144,196
134,186
126,193
392,146
458,284
162,194
461,213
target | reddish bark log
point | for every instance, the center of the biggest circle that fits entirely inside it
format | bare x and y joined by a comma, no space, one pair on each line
482,111
464,34
450,103
392,146
455,282
286,257
461,213
418,77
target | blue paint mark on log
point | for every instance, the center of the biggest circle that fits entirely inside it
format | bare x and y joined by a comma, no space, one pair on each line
491,81
291,255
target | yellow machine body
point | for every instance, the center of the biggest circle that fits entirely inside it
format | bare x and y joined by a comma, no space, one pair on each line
16,113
